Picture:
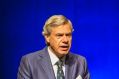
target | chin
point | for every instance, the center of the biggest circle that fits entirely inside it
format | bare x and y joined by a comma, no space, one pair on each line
64,52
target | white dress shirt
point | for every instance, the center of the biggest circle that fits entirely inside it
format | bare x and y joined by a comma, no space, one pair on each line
55,59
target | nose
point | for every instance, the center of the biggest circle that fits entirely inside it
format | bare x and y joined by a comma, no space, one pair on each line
65,39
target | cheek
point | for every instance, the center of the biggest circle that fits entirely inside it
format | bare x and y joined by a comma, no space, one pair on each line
70,40
54,42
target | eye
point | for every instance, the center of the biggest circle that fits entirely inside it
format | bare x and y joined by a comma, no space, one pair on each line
59,35
69,34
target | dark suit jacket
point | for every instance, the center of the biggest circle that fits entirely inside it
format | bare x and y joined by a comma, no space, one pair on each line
38,65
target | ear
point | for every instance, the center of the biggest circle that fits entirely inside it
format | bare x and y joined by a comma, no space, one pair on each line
47,38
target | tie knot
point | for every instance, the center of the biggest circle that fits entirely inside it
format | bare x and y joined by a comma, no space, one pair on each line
59,63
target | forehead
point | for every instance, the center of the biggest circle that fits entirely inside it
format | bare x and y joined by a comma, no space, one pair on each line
62,29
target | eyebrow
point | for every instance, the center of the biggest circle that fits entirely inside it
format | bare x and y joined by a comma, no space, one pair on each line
64,33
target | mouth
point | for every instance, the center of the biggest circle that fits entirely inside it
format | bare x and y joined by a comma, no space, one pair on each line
64,47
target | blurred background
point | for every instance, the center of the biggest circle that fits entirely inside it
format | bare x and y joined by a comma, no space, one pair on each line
95,36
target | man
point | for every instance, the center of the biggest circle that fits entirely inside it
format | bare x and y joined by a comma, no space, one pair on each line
54,61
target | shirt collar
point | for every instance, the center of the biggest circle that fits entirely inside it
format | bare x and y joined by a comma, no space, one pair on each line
54,58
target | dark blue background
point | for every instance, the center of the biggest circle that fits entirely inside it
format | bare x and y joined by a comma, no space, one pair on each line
96,35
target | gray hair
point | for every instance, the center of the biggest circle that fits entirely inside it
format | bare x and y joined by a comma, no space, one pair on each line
54,21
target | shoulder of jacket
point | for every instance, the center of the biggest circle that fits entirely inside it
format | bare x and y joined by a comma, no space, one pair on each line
77,56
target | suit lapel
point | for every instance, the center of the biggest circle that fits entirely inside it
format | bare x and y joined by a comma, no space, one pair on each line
46,64
69,67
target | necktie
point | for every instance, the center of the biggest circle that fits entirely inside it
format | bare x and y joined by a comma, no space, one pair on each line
60,74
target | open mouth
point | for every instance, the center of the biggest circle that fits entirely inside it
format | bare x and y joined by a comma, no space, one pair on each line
64,48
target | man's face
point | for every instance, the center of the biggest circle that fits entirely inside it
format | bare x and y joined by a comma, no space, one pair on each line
60,39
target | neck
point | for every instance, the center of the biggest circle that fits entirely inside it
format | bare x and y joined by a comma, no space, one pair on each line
58,55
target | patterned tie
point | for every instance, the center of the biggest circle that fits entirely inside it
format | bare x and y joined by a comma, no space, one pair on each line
60,74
